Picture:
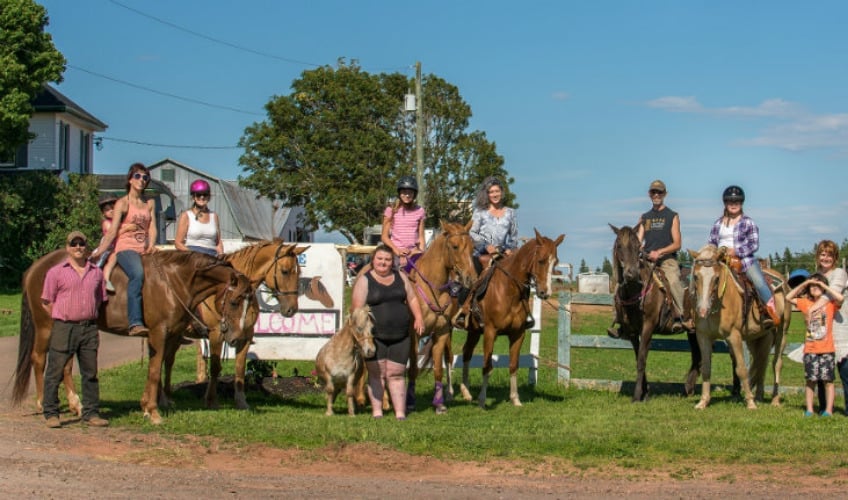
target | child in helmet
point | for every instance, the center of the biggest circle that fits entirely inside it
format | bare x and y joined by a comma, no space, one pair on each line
107,260
198,229
403,224
740,235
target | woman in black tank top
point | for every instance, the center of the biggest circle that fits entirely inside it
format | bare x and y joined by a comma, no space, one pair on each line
393,303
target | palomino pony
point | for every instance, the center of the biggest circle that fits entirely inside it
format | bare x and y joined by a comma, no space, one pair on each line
448,258
720,312
270,262
505,306
341,361
645,308
175,283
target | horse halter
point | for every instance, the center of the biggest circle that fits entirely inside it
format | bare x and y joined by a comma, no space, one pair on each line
276,292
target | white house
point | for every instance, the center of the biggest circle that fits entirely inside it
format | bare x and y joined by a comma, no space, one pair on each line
64,136
243,213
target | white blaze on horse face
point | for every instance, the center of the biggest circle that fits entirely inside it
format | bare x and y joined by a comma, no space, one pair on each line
245,306
551,262
706,275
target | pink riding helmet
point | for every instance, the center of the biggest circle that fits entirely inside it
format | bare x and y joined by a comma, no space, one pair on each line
200,186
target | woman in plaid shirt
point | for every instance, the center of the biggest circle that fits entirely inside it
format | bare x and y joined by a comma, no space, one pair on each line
740,235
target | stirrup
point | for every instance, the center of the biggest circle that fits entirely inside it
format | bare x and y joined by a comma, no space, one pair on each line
460,320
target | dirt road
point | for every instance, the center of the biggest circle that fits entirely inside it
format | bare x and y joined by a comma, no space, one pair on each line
36,462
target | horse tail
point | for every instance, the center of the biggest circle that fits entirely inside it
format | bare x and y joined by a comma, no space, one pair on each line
26,343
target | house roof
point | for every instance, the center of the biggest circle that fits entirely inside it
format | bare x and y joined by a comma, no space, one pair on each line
257,217
51,100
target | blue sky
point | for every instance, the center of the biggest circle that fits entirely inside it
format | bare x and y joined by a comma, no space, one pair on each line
588,102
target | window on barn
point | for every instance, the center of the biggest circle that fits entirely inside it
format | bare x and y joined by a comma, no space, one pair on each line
168,175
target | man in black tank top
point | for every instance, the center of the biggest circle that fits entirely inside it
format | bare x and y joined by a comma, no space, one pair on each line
659,231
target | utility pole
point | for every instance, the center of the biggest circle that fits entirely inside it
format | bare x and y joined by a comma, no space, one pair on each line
419,137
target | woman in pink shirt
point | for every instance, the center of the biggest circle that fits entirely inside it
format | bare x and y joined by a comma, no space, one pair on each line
403,224
136,236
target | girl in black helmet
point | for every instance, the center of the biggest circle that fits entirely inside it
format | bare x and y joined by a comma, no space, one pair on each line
741,236
403,224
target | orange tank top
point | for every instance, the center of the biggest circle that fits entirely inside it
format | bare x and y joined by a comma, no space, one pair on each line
134,240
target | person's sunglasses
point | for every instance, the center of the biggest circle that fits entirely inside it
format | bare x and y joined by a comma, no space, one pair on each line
202,196
143,177
76,243
656,191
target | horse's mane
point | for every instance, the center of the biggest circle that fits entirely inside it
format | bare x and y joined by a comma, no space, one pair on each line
195,260
708,251
249,253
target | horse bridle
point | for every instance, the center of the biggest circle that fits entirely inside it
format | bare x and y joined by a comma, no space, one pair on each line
719,291
276,292
438,308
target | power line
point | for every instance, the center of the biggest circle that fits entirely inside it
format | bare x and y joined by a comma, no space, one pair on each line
213,39
171,146
166,94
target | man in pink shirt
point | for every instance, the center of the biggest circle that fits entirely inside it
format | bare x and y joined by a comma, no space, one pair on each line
72,294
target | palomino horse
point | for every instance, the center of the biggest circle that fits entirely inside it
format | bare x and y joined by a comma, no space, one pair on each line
645,308
449,257
270,262
341,361
720,312
505,306
175,283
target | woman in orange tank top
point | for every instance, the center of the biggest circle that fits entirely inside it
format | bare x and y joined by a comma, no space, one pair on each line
136,236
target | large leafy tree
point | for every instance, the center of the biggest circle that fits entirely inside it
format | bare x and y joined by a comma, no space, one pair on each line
28,59
338,143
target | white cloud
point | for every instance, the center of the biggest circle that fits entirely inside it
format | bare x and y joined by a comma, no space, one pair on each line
560,95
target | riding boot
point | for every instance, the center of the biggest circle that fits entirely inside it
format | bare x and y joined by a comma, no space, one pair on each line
772,312
396,381
460,320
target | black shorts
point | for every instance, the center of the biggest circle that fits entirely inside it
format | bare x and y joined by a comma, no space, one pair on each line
819,367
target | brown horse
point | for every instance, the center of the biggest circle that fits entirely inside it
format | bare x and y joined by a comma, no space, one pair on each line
448,258
505,306
175,283
644,307
721,312
270,262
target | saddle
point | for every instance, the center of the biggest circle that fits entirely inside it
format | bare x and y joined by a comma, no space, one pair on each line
750,297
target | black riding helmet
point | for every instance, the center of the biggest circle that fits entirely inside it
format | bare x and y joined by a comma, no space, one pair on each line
407,182
733,193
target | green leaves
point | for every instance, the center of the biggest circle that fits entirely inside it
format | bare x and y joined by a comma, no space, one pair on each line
338,143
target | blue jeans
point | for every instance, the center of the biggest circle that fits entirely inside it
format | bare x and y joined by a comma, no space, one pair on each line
130,262
842,368
755,274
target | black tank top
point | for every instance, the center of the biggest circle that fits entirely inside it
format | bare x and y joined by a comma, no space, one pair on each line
657,227
388,304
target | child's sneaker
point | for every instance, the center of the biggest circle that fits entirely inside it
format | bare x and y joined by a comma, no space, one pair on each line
110,287
826,414
808,413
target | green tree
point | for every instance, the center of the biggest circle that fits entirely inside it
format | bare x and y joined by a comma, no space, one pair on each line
606,267
28,59
30,229
583,267
338,143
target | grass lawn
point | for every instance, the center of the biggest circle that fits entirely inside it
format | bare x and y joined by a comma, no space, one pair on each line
10,314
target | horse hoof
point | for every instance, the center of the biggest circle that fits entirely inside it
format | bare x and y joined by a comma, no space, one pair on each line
700,406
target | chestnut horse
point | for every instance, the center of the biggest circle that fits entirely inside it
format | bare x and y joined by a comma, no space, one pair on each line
270,262
448,258
644,307
175,283
720,312
505,306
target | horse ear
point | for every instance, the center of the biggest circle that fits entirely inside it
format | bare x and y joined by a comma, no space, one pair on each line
614,229
468,226
299,250
692,253
538,236
442,225
559,240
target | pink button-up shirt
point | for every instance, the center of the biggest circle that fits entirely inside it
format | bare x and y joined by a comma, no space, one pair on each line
74,297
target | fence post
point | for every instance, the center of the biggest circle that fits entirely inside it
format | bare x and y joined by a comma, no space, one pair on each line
564,338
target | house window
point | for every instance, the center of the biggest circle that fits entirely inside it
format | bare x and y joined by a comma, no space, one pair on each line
167,175
64,143
85,153
18,160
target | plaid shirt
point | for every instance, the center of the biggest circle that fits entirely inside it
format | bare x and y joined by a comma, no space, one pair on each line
74,297
746,239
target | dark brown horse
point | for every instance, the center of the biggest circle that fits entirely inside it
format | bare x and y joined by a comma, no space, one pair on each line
505,306
175,284
644,306
270,262
448,258
721,311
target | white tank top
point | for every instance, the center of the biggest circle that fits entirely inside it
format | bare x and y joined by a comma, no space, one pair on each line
200,234
725,236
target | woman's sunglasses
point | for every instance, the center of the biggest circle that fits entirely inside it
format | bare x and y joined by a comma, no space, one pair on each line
202,196
143,177
76,243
